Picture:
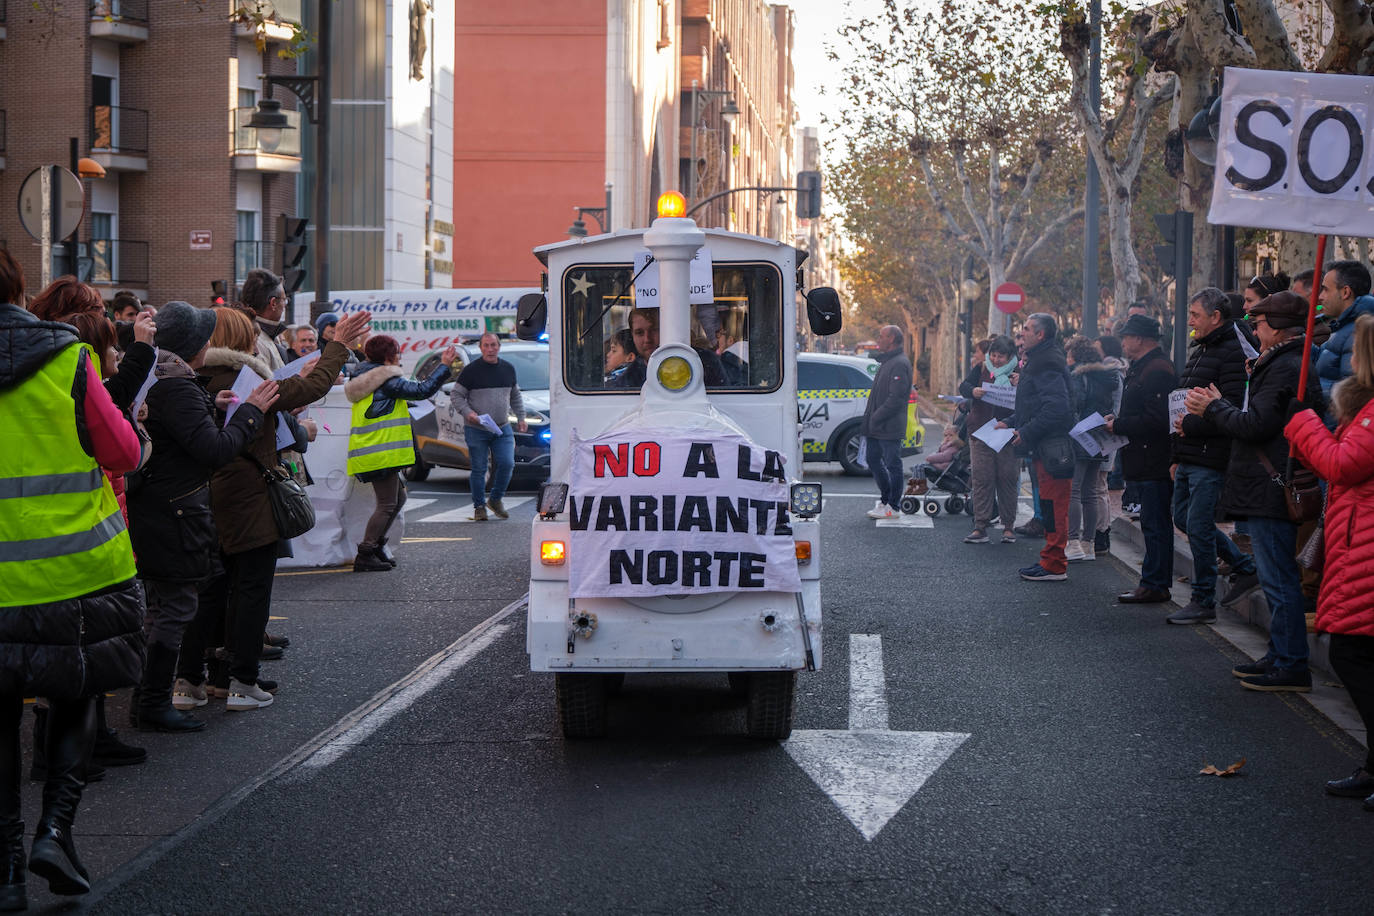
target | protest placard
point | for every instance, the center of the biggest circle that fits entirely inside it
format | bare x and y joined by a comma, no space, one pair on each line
659,512
996,439
999,396
1176,406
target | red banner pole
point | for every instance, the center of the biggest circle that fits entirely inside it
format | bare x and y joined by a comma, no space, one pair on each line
1317,275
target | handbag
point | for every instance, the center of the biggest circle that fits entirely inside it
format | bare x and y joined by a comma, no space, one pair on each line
291,507
1057,455
1302,491
1313,553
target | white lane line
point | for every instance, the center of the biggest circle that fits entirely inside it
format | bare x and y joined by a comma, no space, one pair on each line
413,504
919,520
359,725
867,687
464,513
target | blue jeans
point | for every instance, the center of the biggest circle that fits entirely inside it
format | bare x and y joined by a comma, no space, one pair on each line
1157,570
1196,492
1275,542
502,448
885,461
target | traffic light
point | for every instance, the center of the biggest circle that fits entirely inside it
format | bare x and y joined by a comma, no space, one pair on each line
1176,255
291,248
808,195
218,291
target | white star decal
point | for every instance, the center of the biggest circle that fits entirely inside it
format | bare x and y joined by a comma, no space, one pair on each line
581,284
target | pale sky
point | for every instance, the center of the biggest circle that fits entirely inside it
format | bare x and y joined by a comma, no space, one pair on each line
817,26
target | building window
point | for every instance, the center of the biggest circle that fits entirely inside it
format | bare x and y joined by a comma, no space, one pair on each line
247,248
102,248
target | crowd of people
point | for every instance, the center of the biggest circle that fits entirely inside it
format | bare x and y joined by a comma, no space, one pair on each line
1231,437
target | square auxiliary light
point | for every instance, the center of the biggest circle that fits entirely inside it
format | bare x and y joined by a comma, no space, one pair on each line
553,497
805,500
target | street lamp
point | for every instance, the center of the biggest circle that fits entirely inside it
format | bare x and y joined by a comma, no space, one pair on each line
602,215
269,121
729,112
1201,135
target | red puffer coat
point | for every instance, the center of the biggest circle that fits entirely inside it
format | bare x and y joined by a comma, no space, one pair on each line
1346,462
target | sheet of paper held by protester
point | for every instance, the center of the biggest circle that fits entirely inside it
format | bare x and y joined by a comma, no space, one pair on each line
999,396
295,367
1177,407
144,389
674,512
996,439
243,386
1091,433
489,424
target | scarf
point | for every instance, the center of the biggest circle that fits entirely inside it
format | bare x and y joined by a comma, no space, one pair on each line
1001,375
169,365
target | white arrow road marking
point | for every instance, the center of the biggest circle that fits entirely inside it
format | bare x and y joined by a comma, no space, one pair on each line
869,771
901,520
464,513
413,504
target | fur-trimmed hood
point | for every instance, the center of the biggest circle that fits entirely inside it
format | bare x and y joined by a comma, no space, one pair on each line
1104,366
219,358
369,380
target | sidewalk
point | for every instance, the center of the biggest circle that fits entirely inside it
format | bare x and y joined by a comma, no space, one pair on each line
1246,625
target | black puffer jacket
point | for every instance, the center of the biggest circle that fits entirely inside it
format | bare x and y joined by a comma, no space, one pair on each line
1217,359
885,412
1248,488
1095,388
1043,404
169,498
79,646
1144,417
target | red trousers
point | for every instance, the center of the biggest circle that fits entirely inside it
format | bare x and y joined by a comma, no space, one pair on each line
1054,513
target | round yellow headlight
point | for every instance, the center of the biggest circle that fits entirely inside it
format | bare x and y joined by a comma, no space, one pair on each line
674,373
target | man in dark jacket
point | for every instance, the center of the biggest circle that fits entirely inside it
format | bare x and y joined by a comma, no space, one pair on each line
1200,451
1044,411
1259,454
1345,297
1144,419
884,423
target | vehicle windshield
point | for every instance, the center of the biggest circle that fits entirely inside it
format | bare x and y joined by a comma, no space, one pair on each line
607,341
531,367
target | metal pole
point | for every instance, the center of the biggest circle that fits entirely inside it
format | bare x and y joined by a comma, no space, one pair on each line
692,173
1092,194
324,98
72,266
610,226
47,189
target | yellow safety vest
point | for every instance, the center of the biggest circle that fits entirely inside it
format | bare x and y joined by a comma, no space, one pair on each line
375,444
61,531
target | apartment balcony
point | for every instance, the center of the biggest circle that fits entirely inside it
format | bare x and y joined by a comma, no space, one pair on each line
122,21
250,254
279,18
118,262
251,154
119,138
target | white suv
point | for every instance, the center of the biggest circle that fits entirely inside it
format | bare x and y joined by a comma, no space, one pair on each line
832,392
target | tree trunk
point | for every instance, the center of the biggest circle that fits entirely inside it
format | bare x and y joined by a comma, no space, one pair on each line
999,322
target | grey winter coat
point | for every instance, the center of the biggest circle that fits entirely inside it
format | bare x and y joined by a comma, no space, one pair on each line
885,413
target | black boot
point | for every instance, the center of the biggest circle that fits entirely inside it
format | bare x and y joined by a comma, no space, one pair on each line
385,554
71,734
94,772
155,710
109,750
13,895
367,560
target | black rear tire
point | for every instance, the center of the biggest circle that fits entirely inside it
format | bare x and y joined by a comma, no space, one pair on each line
581,704
769,714
847,451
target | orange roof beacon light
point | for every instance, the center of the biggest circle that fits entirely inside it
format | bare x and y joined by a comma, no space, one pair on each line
672,204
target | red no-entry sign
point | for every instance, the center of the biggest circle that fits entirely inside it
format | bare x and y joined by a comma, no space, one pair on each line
1009,297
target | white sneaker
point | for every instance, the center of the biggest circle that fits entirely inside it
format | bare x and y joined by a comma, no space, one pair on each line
246,696
1089,550
1073,552
186,695
877,510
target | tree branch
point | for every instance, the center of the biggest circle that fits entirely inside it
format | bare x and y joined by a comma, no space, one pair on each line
1022,257
1352,33
956,151
933,189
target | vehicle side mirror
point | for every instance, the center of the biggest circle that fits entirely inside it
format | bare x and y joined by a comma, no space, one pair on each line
823,311
531,314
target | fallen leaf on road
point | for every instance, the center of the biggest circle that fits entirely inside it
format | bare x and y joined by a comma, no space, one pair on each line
1210,770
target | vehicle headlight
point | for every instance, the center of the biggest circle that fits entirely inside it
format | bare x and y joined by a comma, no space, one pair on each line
805,500
675,373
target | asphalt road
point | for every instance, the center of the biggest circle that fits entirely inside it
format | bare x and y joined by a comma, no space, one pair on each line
1055,761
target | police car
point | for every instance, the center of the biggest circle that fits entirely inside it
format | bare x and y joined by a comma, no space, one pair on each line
832,392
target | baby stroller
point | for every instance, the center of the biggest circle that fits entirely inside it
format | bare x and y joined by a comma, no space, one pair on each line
955,481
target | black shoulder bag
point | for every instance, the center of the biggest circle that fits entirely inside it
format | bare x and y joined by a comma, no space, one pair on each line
291,506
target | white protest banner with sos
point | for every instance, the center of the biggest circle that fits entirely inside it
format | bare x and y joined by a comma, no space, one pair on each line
1294,152
663,512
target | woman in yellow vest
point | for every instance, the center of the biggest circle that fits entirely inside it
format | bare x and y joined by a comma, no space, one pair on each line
71,611
380,445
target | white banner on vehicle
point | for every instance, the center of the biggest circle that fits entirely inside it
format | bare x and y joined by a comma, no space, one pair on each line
1292,152
660,512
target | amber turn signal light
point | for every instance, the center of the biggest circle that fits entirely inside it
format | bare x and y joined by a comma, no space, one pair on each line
552,553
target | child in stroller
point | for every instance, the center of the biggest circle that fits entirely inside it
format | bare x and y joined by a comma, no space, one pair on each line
948,470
